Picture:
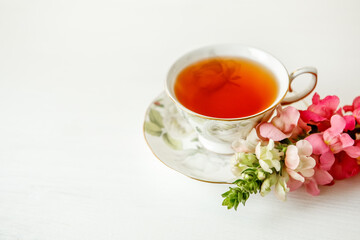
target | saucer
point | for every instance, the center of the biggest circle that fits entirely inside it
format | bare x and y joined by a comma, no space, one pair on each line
175,143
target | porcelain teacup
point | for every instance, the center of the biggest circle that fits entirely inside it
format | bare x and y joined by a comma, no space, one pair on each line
217,134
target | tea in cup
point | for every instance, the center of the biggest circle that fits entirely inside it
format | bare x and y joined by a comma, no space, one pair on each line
224,91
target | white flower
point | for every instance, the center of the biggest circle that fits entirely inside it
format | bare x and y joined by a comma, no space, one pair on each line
281,188
298,162
248,145
266,185
269,157
241,161
261,175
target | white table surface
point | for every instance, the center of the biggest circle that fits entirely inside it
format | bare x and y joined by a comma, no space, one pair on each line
76,78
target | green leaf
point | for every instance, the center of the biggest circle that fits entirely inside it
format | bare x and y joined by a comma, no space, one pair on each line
245,187
156,118
175,144
232,198
225,194
152,129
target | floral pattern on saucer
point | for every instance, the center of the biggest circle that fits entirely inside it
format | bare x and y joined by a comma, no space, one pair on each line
175,143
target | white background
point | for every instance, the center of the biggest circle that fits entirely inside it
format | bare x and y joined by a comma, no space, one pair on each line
76,78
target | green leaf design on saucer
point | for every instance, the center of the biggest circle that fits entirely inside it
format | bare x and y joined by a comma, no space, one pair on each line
175,144
153,129
156,118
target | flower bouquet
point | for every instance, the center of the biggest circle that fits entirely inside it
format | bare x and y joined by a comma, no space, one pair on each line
309,148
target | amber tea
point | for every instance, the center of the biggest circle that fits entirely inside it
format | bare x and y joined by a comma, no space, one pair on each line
226,87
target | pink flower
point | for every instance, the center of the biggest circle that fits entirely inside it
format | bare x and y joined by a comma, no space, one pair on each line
354,108
284,125
355,105
320,110
350,122
298,162
344,166
334,136
332,141
301,129
320,177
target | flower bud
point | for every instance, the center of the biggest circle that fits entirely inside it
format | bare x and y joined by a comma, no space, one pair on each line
245,176
265,187
261,175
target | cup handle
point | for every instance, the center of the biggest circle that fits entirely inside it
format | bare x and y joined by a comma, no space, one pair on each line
305,92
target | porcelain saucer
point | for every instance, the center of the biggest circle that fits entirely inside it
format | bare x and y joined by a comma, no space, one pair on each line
175,143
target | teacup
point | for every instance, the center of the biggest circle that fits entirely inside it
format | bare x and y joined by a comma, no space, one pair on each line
217,134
